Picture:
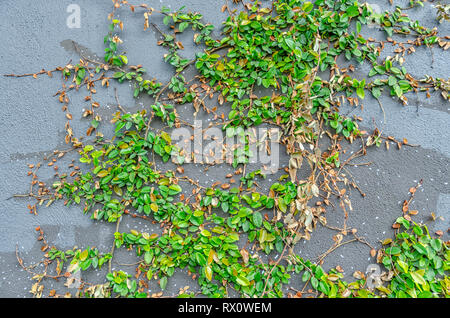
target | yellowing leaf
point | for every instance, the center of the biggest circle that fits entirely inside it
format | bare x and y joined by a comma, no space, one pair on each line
387,241
166,137
262,236
84,255
220,66
384,289
208,273
211,256
118,190
403,266
241,280
206,233
417,277
102,174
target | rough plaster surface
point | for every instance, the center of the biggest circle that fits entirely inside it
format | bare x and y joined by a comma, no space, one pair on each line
34,35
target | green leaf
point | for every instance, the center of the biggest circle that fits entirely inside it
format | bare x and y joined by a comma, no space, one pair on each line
420,248
394,250
360,92
257,219
175,189
290,43
166,19
183,26
392,80
243,281
380,69
148,257
357,53
425,294
436,244
306,275
307,6
389,30
376,92
352,11
314,282
163,282
81,73
401,220
398,90
201,259
118,74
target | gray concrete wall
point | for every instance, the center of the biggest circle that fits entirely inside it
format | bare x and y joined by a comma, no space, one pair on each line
34,35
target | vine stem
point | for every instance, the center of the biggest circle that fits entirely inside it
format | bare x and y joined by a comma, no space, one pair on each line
114,245
384,115
158,95
334,248
28,270
271,270
118,103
